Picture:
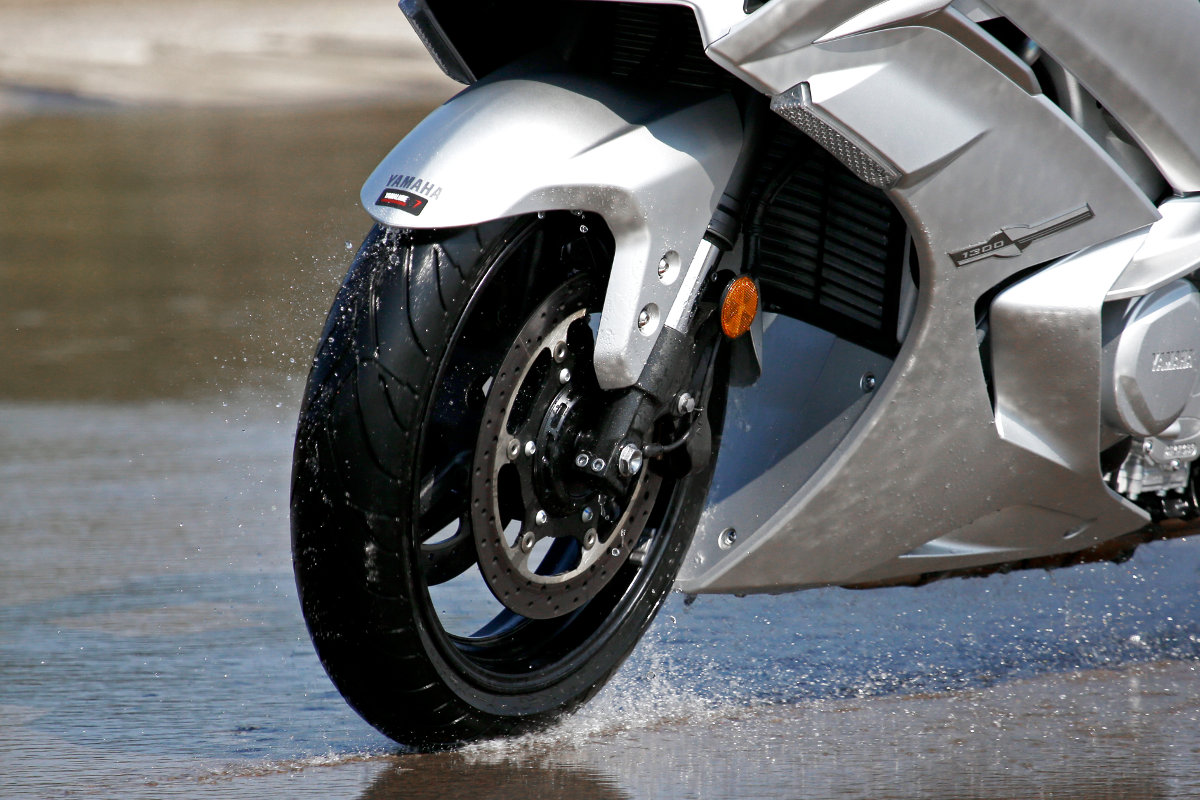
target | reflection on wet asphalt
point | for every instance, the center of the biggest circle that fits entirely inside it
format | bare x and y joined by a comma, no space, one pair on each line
164,280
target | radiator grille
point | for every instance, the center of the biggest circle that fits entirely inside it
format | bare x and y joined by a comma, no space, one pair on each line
826,247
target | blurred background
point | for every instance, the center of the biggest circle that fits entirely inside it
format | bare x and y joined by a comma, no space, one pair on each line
178,181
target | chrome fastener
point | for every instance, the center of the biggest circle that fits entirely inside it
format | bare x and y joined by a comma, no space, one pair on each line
631,460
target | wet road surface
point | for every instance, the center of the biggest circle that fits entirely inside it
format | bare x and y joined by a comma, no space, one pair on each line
164,278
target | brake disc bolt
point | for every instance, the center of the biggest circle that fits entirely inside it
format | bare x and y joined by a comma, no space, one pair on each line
868,382
616,551
589,539
560,351
686,404
540,517
644,318
530,447
587,514
582,460
631,460
564,375
663,266
528,540
598,465
514,449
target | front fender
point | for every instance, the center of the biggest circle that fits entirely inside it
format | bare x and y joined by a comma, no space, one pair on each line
652,165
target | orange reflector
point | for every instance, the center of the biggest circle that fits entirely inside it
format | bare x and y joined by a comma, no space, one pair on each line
739,306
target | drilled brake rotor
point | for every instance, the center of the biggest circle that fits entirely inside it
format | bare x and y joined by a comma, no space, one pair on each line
548,532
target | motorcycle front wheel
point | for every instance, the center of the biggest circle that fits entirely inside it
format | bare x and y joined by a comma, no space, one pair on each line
461,573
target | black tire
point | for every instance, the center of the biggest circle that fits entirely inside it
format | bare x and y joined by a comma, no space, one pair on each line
405,371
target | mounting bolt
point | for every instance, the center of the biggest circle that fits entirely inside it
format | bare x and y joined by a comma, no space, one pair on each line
589,539
528,540
559,351
598,465
727,538
587,514
666,265
868,382
564,375
530,447
540,517
685,405
631,460
1148,446
644,318
514,449
582,460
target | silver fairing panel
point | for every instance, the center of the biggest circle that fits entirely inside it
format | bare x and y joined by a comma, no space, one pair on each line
930,475
1139,60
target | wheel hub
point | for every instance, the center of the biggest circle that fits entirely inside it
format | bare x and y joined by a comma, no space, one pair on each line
550,534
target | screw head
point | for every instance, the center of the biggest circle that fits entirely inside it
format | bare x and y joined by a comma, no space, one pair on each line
616,551
528,540
530,447
644,318
587,515
582,460
514,449
541,517
598,465
559,351
589,539
667,264
1147,446
564,375
727,538
686,404
868,382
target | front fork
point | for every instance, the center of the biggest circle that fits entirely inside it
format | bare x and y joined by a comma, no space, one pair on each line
662,415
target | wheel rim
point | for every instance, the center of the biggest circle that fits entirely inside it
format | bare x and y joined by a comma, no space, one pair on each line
487,640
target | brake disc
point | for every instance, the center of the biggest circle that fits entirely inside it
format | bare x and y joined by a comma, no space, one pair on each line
549,535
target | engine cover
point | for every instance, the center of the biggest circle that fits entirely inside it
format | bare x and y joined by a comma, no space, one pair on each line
1150,347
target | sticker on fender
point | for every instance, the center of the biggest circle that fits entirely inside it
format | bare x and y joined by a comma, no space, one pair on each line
402,199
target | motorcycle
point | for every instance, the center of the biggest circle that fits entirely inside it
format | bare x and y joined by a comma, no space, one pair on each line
743,297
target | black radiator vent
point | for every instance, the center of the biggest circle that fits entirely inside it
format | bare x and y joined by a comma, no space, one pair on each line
825,247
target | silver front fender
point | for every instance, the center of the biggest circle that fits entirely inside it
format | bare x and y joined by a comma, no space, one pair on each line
652,166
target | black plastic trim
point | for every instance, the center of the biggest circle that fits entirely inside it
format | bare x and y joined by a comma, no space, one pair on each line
436,41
